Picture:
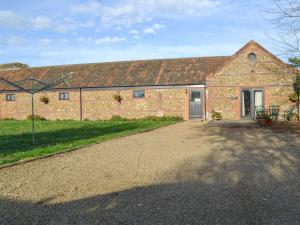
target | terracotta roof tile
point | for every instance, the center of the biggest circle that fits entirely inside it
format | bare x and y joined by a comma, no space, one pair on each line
182,71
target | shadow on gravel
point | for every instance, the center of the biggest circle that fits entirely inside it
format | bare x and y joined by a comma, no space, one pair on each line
250,177
8,143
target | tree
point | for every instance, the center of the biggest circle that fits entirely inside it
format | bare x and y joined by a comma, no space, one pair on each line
287,25
295,62
13,65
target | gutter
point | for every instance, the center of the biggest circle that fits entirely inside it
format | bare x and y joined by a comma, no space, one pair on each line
122,87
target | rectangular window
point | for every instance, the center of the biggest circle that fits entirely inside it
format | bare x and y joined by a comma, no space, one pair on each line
10,97
139,94
64,96
258,101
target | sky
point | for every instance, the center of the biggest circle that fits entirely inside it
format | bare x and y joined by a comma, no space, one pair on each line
55,32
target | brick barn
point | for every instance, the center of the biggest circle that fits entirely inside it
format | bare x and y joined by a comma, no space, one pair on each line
187,87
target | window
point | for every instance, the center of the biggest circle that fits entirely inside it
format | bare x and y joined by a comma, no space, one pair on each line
64,96
196,96
258,100
10,97
252,58
139,94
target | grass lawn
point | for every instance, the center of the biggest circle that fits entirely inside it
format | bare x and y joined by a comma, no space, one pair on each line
58,136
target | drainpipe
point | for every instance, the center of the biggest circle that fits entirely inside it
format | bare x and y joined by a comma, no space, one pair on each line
80,100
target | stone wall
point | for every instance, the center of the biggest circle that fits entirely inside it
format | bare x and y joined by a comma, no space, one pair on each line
56,109
98,104
157,102
267,73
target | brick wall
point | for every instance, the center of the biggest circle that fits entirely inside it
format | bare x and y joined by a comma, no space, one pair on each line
55,109
224,88
160,102
99,104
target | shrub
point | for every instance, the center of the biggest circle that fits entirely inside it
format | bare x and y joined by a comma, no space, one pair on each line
164,118
267,116
36,117
216,115
292,116
6,119
65,120
295,116
118,118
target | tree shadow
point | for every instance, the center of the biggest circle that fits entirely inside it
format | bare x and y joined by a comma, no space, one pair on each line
250,176
23,142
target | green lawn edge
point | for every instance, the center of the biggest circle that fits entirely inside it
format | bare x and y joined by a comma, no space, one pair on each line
47,151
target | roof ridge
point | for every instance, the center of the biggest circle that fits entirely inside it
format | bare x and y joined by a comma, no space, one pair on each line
127,61
11,69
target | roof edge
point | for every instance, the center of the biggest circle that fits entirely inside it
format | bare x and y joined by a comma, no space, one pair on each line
202,84
129,61
252,42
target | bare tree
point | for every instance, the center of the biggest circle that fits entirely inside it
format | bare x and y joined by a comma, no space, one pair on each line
287,25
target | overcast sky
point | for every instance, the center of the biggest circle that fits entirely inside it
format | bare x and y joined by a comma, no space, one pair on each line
51,32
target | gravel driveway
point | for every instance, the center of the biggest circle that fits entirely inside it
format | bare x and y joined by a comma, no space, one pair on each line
186,174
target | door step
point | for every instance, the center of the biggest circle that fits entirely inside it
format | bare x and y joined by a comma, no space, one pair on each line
233,123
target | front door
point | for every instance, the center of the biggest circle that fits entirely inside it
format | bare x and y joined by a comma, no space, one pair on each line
251,100
195,104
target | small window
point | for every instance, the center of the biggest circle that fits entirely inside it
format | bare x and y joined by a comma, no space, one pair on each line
10,97
195,95
252,58
64,96
139,94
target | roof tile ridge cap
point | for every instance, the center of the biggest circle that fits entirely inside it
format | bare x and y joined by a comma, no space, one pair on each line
125,61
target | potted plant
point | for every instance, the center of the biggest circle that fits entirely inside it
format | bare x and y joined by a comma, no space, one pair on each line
216,115
264,119
295,116
44,99
268,120
118,98
289,115
275,109
260,120
259,112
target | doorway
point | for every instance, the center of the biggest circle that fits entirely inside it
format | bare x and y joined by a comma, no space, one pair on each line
195,104
251,101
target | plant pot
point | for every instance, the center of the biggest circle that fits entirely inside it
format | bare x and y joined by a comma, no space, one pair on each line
261,121
269,122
